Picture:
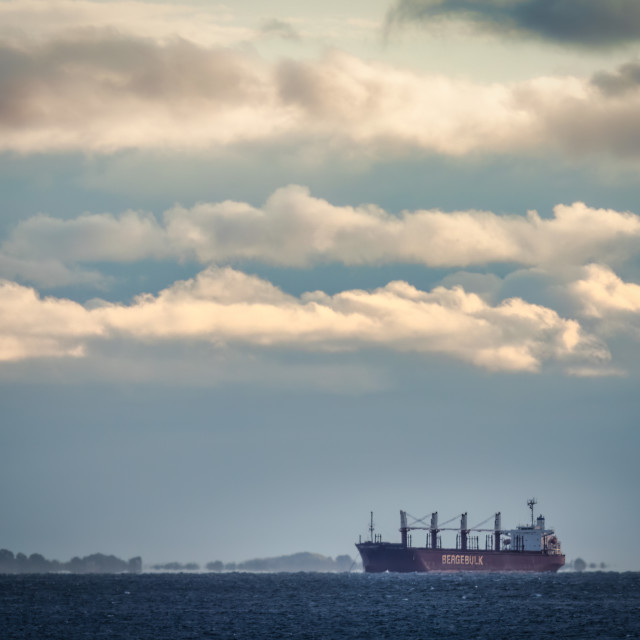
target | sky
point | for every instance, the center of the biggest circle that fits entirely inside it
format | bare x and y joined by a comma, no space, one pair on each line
268,267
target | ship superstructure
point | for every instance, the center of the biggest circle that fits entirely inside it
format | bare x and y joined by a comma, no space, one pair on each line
526,548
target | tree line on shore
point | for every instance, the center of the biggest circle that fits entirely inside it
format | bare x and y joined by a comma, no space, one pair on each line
303,561
101,563
94,563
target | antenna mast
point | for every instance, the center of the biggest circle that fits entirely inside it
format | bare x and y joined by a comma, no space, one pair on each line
531,503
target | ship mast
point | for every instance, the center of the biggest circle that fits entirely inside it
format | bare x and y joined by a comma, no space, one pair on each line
531,503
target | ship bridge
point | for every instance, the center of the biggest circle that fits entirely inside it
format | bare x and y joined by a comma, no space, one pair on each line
533,537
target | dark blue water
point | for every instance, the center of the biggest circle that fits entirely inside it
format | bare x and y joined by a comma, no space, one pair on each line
333,606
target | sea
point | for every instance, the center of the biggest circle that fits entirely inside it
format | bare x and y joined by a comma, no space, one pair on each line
318,605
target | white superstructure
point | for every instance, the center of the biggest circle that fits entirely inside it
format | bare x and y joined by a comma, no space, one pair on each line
533,537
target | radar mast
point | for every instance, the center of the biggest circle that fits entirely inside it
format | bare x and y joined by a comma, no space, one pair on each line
532,503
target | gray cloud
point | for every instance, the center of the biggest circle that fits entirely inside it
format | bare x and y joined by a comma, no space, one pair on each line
614,128
572,22
101,80
280,29
121,65
624,80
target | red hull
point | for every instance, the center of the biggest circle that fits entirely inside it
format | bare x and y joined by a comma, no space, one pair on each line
378,557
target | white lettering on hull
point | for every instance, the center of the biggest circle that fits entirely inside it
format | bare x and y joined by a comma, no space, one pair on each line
463,559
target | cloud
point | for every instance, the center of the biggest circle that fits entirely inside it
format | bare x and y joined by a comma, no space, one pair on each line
604,294
624,80
91,237
224,306
50,272
34,327
110,92
596,372
280,29
317,231
295,229
585,23
104,91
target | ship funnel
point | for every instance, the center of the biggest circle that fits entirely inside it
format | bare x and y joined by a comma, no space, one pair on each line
497,530
540,522
463,522
434,520
498,522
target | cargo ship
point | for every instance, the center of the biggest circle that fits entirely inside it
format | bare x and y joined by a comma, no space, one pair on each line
530,547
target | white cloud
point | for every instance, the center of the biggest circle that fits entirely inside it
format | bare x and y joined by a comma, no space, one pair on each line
223,306
604,294
103,91
295,229
34,327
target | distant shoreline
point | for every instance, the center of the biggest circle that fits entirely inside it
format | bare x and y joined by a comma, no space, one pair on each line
94,563
101,563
